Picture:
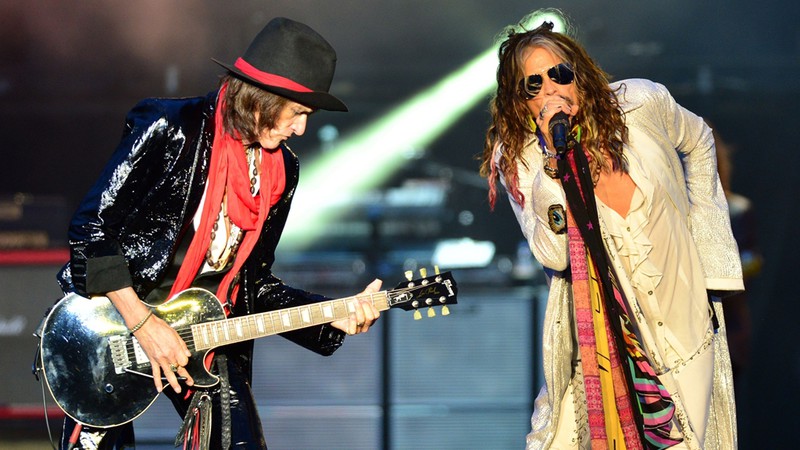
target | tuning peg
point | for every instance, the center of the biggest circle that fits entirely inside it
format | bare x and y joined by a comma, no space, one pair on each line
417,315
409,275
445,310
436,269
431,312
423,272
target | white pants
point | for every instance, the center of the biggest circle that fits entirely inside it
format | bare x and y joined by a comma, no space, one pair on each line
567,436
690,388
693,384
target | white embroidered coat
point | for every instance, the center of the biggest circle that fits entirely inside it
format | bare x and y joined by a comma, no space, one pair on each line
681,146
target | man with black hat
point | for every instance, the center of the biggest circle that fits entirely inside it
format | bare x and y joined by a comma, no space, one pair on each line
197,194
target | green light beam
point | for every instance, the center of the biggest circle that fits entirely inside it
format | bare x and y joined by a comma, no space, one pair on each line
365,158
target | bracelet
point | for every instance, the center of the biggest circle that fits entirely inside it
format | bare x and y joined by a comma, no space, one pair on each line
552,172
141,322
545,150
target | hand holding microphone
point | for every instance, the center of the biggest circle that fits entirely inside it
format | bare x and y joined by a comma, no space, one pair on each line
558,127
559,124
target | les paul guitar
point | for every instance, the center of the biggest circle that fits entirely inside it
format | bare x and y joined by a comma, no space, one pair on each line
99,375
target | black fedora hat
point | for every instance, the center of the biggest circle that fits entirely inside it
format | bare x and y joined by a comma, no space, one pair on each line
290,59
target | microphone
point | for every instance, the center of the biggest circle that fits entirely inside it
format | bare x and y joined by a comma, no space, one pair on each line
559,124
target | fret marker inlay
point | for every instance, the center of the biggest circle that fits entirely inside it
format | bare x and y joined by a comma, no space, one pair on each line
260,323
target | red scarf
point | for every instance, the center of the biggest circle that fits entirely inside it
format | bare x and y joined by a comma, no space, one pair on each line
228,174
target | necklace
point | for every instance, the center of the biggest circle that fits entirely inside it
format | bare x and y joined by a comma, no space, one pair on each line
252,164
598,167
221,251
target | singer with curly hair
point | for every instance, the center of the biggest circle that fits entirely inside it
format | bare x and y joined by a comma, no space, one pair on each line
616,190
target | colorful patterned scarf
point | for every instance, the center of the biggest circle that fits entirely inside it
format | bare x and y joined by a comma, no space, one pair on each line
627,405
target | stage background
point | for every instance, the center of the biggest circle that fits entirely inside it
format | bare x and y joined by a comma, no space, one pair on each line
69,71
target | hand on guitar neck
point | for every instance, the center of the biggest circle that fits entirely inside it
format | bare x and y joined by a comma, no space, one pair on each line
365,313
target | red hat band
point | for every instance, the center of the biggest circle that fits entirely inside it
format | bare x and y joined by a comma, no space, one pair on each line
269,79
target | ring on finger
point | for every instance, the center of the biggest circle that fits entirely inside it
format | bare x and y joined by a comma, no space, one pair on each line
360,324
173,367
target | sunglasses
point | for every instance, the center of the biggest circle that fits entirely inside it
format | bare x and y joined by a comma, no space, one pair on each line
532,84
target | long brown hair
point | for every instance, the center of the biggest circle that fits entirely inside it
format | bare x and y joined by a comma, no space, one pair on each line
599,116
242,100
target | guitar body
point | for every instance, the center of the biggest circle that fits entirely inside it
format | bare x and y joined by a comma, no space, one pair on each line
93,366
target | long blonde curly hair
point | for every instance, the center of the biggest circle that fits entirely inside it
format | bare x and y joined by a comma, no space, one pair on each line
600,116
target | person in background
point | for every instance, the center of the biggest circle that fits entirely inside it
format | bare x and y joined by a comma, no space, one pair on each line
615,188
197,194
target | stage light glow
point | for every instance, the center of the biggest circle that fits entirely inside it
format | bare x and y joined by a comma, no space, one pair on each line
361,160
463,253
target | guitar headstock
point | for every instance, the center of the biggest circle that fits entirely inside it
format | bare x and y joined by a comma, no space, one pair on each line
425,292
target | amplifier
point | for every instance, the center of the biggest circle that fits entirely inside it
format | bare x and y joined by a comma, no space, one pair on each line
29,287
33,221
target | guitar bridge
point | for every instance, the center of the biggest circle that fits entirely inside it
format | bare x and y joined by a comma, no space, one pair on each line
119,353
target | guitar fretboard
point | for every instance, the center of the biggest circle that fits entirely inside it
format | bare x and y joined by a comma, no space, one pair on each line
222,332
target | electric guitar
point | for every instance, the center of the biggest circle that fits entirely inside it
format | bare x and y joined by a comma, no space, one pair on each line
99,375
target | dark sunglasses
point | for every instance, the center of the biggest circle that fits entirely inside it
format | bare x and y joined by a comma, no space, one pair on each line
532,84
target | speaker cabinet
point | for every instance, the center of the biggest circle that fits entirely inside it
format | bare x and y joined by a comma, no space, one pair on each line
27,291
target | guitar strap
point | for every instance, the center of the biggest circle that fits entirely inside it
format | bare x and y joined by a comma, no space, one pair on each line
225,399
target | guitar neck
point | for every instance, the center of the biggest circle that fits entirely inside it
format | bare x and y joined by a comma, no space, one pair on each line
212,334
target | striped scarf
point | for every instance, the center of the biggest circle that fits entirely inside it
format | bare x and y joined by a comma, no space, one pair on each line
628,407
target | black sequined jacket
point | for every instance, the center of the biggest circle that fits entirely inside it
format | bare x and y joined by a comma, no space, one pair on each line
128,227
